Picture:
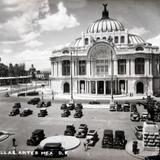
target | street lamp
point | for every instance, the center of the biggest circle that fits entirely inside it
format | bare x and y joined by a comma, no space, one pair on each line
112,99
71,100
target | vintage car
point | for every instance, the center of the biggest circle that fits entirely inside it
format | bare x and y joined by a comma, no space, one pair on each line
34,101
17,105
26,112
144,116
64,106
119,142
21,94
92,137
78,113
37,136
48,103
119,108
94,102
135,116
78,106
126,107
152,157
14,112
33,93
82,131
138,132
71,106
50,150
70,130
41,104
66,113
134,108
107,141
43,112
113,107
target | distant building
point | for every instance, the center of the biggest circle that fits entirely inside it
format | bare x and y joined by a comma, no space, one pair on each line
106,52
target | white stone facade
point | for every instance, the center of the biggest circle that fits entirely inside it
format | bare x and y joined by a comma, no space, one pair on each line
106,52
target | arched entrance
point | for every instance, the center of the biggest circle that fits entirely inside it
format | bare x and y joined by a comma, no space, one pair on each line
66,88
140,88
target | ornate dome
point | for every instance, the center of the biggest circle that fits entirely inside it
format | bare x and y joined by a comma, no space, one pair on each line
105,24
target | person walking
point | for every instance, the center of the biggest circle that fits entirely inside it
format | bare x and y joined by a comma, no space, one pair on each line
86,142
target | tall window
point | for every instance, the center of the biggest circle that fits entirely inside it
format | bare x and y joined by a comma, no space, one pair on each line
86,41
139,66
116,39
82,67
101,67
122,39
122,66
66,68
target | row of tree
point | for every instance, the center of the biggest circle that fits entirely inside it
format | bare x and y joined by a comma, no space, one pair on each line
12,70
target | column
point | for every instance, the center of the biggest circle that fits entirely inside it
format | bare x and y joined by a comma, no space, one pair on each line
104,87
146,67
60,68
73,68
96,86
127,67
126,86
88,68
115,64
132,67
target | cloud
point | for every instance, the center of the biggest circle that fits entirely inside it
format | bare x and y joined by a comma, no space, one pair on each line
33,44
7,51
59,20
155,40
138,31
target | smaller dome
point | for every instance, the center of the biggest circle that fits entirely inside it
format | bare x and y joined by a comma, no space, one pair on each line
77,43
134,39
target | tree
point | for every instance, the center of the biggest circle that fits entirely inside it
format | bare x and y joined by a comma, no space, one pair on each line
3,70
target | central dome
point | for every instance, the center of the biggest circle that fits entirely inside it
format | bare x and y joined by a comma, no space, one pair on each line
105,24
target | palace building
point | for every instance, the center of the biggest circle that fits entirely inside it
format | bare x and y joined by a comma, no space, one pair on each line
106,58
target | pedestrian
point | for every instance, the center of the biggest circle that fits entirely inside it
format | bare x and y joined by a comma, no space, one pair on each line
14,144
52,95
86,144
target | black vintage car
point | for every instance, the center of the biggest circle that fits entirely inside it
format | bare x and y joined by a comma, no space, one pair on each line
66,113
82,131
33,93
126,107
48,103
41,104
78,106
107,141
71,106
119,107
64,106
92,137
43,112
17,105
78,113
135,116
37,136
119,142
70,130
34,101
14,112
26,112
21,94
138,132
50,150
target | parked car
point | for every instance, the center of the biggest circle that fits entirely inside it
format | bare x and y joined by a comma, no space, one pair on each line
50,150
21,94
48,103
144,116
82,131
119,108
70,130
134,108
135,116
107,141
112,107
33,93
92,137
138,132
34,101
14,112
66,113
43,112
78,106
26,112
17,105
152,157
71,106
41,104
78,113
64,106
126,107
119,141
36,137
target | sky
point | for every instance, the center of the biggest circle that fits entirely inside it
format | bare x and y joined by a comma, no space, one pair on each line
30,30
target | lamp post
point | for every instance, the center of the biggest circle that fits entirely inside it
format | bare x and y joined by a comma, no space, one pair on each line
71,100
112,99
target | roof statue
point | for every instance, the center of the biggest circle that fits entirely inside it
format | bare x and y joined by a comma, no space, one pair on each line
105,13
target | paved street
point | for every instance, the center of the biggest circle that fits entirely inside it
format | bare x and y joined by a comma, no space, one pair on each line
54,124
